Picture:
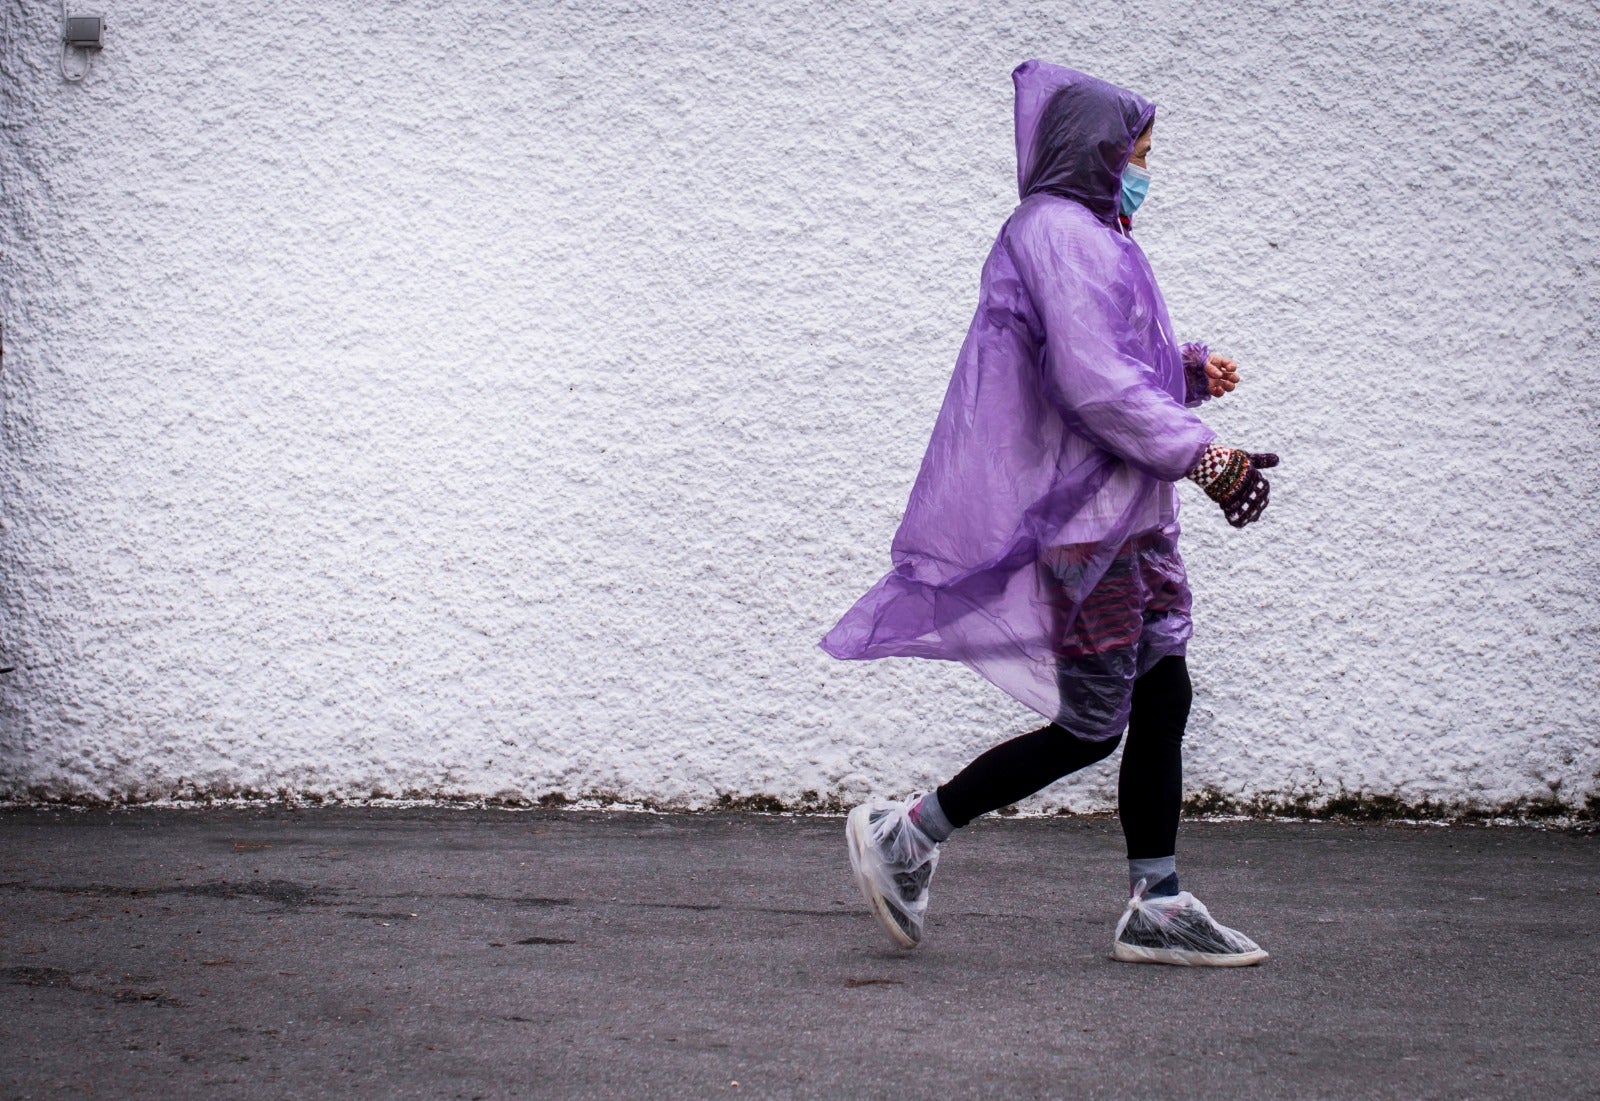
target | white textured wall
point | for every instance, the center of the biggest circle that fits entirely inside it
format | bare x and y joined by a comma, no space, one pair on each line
418,397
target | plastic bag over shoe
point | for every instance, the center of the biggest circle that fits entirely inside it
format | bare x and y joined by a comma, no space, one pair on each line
896,863
1039,543
1178,929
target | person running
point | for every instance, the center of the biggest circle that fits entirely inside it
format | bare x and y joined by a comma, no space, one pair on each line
1040,542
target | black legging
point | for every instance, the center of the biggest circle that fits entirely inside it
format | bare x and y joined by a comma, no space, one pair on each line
1149,787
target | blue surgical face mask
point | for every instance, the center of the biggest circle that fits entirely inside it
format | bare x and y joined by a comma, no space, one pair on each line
1135,183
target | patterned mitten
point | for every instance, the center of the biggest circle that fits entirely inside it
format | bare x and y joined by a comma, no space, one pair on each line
1232,478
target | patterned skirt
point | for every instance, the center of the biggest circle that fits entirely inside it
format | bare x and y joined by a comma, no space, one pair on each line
1136,614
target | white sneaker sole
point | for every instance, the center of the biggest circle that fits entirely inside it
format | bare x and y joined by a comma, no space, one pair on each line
855,828
1129,953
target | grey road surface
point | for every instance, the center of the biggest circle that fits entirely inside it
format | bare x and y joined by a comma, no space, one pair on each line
443,953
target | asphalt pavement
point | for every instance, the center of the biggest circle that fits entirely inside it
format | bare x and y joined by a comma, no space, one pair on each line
449,953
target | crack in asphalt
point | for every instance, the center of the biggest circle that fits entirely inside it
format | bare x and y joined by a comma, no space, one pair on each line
285,892
58,979
295,896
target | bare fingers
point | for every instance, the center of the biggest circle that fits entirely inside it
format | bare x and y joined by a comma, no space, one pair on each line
1222,375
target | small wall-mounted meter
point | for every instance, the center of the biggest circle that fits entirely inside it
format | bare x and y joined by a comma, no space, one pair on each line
87,32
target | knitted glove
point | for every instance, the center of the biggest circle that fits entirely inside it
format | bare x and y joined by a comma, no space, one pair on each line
1232,478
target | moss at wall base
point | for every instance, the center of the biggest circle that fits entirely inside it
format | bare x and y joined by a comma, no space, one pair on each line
1208,802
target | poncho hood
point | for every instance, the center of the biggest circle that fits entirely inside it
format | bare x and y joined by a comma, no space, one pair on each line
1075,133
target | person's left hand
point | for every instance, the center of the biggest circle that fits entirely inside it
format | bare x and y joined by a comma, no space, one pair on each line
1222,375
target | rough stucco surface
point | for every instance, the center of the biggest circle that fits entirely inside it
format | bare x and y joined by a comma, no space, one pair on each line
417,401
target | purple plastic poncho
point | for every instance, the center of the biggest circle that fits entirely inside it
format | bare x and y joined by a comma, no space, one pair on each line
1039,544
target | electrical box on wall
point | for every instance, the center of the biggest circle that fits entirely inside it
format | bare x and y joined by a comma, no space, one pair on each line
87,32
84,32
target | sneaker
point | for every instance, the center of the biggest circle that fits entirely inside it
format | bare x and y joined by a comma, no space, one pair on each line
893,861
1179,929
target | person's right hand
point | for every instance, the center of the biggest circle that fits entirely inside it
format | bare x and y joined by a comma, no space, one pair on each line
1233,479
1249,498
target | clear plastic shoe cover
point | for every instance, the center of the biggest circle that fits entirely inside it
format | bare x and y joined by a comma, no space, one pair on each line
893,861
1179,929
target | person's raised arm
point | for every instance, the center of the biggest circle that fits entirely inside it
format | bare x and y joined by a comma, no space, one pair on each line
1101,388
